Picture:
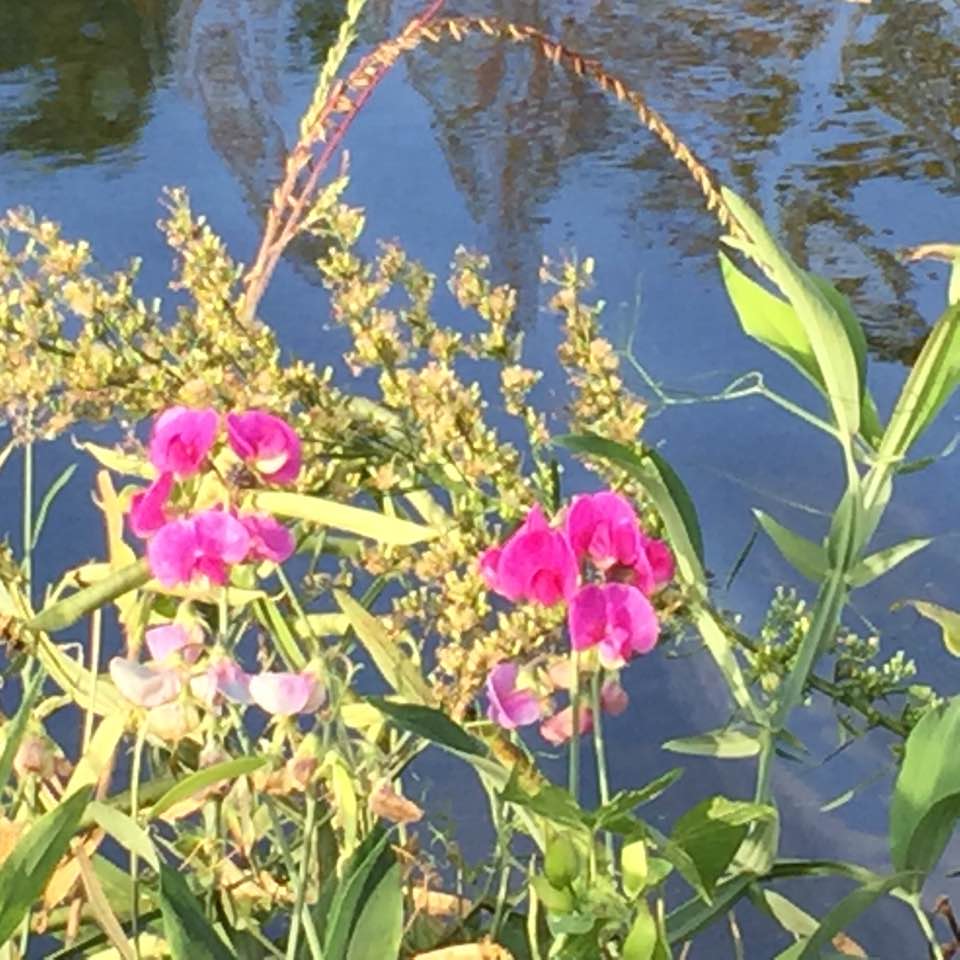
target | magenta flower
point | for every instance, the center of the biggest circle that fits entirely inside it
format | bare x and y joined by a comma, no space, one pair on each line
142,685
265,442
147,513
173,638
269,540
204,544
181,439
223,680
536,563
615,617
660,559
508,706
284,694
604,527
558,729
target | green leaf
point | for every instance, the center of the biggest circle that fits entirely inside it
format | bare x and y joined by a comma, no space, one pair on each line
794,920
25,872
844,913
188,932
953,290
641,941
341,516
430,724
117,461
126,831
614,815
883,561
926,795
65,613
806,557
681,499
725,744
62,480
551,802
363,872
712,831
207,777
838,354
379,928
398,669
932,379
696,914
947,620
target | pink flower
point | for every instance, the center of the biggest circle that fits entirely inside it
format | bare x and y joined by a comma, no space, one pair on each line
660,559
147,512
508,706
269,540
181,439
223,680
284,694
142,685
172,638
267,443
615,617
536,563
604,527
558,729
205,544
613,698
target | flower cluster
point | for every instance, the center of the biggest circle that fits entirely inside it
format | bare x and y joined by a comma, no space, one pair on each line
171,683
206,543
601,564
199,546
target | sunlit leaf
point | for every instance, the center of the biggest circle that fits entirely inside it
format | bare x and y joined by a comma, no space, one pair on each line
394,662
947,620
188,932
726,744
205,778
341,516
641,940
379,926
126,831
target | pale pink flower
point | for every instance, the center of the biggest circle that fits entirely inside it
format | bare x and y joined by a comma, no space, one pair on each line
536,564
145,686
615,617
284,694
269,540
613,698
223,680
604,527
558,729
181,439
170,639
148,513
267,443
507,705
205,544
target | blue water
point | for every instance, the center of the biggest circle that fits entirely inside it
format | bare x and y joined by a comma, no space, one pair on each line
839,120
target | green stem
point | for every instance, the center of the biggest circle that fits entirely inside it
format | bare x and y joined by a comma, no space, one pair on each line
574,755
28,517
308,842
600,751
134,863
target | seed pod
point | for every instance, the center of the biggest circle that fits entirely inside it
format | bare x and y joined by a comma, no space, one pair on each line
562,862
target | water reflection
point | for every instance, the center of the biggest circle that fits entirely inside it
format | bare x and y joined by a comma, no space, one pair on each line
76,80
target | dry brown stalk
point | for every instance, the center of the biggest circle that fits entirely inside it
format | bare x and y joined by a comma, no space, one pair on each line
302,172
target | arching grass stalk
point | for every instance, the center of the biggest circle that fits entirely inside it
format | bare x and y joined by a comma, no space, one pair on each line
28,517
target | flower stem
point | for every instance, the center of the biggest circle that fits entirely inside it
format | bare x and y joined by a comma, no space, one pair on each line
134,864
599,748
574,755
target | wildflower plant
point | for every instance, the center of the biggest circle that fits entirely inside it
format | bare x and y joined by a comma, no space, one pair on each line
272,534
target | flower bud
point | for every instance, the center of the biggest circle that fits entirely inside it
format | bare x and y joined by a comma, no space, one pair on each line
561,863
